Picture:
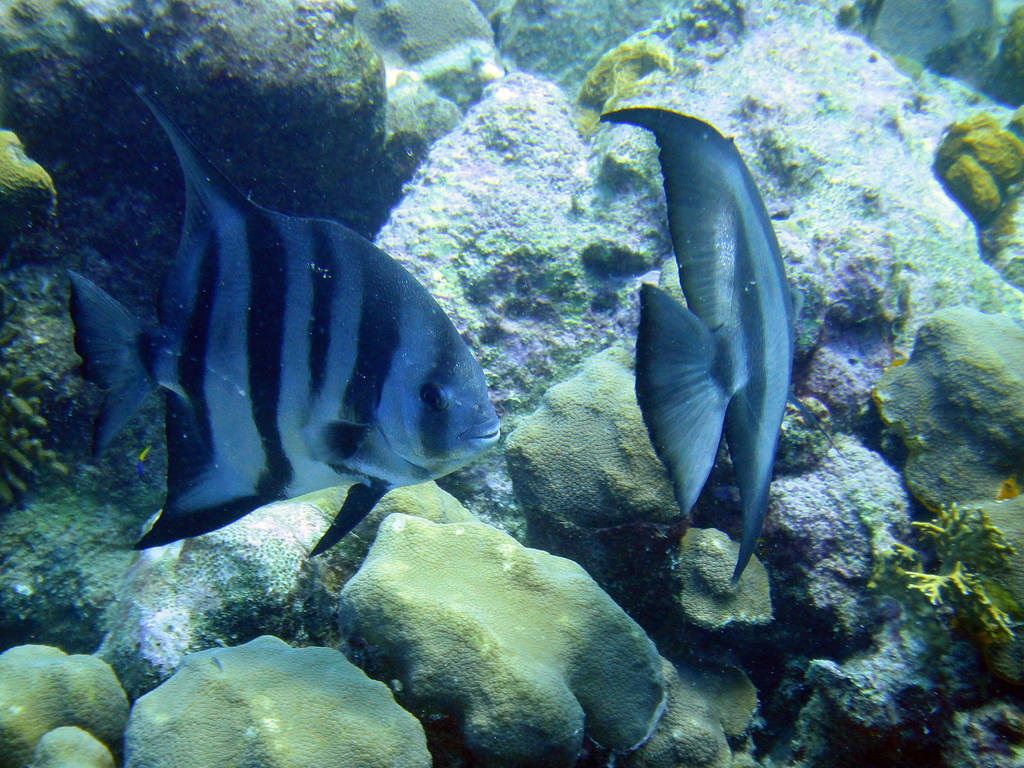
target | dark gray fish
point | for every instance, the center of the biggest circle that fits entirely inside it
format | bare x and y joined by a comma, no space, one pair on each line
294,356
725,360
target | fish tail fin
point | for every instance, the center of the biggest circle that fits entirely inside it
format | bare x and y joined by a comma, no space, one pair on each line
682,400
110,341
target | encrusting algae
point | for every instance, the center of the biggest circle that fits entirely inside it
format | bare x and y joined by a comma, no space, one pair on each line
22,452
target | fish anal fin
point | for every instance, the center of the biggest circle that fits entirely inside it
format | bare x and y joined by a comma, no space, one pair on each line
682,402
358,503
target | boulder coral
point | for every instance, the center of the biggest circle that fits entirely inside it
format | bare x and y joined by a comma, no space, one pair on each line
42,688
958,404
268,704
519,648
705,712
71,747
1007,78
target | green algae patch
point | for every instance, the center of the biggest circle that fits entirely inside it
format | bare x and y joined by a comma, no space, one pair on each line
518,647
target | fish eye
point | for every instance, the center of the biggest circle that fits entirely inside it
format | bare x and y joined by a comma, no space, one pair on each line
434,396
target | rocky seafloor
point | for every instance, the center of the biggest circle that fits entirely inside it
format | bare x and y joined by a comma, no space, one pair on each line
546,606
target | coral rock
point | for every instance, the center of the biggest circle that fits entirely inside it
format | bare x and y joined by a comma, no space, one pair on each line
42,688
521,648
265,703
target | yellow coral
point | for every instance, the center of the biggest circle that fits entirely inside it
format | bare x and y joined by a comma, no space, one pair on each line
971,552
618,72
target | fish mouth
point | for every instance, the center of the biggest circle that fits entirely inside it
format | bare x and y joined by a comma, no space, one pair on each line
487,432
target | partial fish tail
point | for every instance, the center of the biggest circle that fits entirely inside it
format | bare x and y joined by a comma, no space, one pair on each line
110,342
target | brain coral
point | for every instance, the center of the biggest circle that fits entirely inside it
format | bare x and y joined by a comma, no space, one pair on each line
267,704
42,688
583,458
709,597
521,648
958,404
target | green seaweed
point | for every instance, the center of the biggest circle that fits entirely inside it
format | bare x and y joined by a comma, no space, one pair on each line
23,454
969,551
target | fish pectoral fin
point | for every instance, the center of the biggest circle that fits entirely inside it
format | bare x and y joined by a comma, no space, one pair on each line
682,402
358,503
340,439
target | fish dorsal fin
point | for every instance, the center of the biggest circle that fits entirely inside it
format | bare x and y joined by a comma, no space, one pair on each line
712,203
682,401
209,198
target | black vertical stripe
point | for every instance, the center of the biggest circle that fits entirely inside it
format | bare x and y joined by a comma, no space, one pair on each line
323,279
376,342
189,432
265,337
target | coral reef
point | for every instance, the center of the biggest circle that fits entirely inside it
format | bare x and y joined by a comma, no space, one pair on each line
71,747
42,688
251,577
265,703
22,450
958,404
896,698
708,596
27,195
521,649
977,160
1006,81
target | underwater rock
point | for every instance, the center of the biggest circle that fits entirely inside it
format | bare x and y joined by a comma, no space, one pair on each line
448,44
951,37
521,649
71,747
896,698
564,40
1006,81
246,579
958,404
709,598
42,688
988,736
265,703
821,534
27,196
704,712
496,223
276,87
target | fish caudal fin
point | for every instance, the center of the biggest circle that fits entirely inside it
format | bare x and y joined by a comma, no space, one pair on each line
110,341
682,402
